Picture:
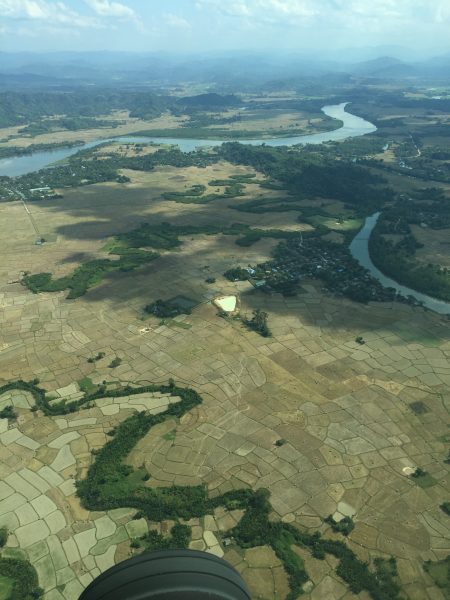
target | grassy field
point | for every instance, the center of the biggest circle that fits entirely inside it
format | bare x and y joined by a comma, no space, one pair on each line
436,243
336,224
131,125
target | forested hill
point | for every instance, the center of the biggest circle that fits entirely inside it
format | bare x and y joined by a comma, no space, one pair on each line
22,107
210,101
17,108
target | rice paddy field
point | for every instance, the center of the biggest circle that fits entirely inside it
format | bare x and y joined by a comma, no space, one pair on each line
356,419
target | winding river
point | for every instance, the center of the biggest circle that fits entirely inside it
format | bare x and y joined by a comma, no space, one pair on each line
360,250
352,126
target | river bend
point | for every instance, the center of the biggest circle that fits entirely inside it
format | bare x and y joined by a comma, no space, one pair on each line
360,250
352,126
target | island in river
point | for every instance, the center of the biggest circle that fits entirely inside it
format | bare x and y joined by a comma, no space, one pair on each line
352,126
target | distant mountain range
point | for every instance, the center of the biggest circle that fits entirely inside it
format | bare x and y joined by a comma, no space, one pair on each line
388,67
247,69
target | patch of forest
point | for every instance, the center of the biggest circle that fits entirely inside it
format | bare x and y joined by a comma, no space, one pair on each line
68,123
430,208
21,107
17,108
305,174
89,274
84,168
7,151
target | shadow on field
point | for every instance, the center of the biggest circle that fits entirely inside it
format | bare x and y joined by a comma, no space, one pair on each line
183,271
77,258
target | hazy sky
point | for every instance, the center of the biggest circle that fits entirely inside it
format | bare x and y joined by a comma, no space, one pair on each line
198,25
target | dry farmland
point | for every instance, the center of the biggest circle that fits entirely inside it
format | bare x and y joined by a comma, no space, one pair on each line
353,416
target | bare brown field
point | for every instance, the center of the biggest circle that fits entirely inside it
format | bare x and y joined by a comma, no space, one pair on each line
6,132
166,121
260,121
343,408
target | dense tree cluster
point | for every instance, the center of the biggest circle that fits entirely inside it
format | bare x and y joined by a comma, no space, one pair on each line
24,106
90,273
25,584
165,309
445,507
236,274
3,536
67,123
18,107
8,413
180,536
306,174
196,195
397,259
7,151
258,323
344,526
209,101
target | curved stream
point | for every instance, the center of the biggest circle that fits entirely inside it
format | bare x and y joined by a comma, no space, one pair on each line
359,249
352,126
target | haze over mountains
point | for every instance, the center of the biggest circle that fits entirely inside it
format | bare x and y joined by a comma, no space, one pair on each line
126,68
